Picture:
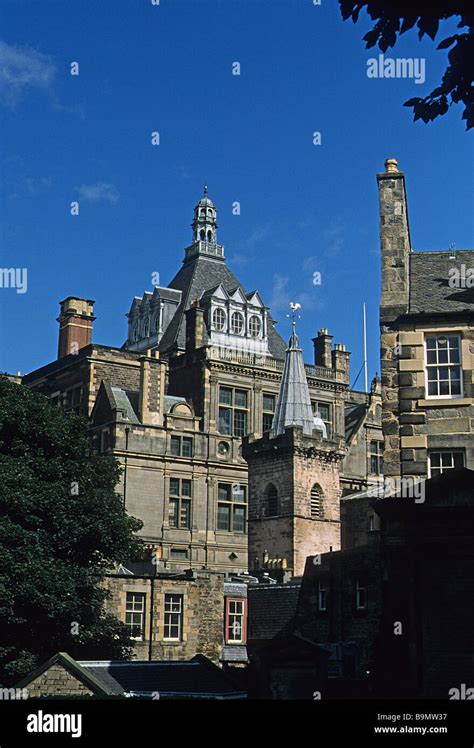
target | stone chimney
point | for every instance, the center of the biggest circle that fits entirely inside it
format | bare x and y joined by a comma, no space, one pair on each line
75,325
152,386
322,348
195,327
394,241
341,359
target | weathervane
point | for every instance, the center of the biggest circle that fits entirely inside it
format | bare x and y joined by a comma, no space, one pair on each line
294,306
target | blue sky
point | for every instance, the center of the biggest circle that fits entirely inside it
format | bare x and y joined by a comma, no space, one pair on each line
168,68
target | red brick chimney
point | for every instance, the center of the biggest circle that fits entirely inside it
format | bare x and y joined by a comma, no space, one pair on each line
75,325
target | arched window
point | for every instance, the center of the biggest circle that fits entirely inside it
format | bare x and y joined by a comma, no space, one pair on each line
237,323
272,501
316,502
219,319
209,236
255,326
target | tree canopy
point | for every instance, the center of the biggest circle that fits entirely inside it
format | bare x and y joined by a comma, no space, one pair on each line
62,525
395,17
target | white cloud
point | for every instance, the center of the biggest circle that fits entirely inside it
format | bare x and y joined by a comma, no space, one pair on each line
101,191
21,69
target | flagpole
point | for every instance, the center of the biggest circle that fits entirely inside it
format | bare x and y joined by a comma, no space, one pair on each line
365,351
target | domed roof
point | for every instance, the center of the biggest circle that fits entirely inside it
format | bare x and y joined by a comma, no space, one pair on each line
205,200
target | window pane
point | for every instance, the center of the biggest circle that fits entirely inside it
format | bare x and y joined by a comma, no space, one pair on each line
237,323
446,459
187,447
432,388
185,487
223,517
185,513
269,402
435,459
240,398
224,491
225,396
225,415
175,445
239,492
324,411
458,460
173,512
267,422
174,486
240,423
239,519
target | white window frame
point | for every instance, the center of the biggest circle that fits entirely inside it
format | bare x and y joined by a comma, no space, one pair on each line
441,452
226,318
134,611
179,613
236,617
237,313
448,365
259,334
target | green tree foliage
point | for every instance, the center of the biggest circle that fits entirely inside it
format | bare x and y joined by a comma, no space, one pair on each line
61,527
395,17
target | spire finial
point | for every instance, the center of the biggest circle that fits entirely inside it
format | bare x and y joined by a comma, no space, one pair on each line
294,306
205,189
293,406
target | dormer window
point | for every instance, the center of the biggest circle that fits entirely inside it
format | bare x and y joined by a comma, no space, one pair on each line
219,319
237,323
255,326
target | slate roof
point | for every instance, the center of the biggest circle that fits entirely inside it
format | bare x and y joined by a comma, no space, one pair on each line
127,401
193,279
197,677
271,610
429,282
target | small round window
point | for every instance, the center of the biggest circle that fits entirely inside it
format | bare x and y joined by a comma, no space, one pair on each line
223,449
255,326
218,319
237,323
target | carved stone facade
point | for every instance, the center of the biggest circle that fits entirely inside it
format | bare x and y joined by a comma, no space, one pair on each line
175,401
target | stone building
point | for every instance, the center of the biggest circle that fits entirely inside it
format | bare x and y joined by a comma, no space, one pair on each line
397,610
200,369
427,345
294,478
177,616
63,677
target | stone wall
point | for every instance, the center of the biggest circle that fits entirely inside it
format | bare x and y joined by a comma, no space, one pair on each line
57,681
203,614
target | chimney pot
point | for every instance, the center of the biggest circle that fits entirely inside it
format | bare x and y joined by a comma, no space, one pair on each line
391,165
